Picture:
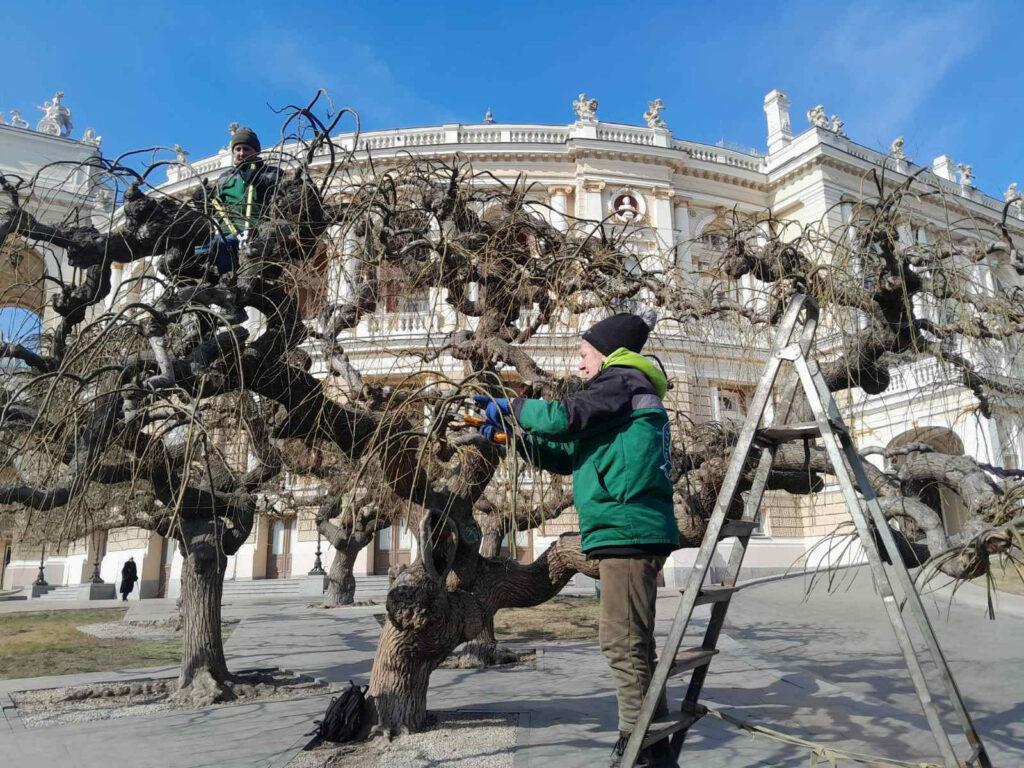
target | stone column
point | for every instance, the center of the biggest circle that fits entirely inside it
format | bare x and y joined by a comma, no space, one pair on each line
683,235
341,273
906,235
664,224
116,277
591,202
559,206
990,440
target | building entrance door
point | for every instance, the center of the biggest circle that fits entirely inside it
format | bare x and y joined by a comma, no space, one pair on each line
391,548
167,548
279,551
519,547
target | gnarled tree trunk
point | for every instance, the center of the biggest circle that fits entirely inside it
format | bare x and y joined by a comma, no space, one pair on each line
203,667
483,651
341,583
426,621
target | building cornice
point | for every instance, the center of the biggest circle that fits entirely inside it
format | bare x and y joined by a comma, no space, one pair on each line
813,150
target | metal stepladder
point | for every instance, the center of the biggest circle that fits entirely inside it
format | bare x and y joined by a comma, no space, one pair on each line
792,346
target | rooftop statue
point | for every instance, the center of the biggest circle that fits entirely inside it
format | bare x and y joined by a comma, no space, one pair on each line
17,120
966,175
817,117
653,114
56,120
896,149
586,109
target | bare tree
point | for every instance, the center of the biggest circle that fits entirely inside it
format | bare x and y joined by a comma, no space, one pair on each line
100,419
886,302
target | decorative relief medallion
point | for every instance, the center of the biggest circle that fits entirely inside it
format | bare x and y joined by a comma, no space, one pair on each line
628,206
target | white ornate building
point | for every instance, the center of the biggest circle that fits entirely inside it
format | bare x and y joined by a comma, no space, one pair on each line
63,184
676,193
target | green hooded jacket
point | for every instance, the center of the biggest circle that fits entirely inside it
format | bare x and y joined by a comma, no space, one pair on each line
613,437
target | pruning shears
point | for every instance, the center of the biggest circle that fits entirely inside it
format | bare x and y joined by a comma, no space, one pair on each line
473,420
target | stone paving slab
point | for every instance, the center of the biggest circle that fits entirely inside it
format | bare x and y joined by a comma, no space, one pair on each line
823,667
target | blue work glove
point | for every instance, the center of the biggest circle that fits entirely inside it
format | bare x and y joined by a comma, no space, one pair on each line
496,410
490,431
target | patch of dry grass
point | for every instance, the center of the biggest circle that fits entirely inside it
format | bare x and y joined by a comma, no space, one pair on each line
561,618
49,643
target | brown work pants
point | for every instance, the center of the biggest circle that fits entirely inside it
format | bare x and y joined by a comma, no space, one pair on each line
629,588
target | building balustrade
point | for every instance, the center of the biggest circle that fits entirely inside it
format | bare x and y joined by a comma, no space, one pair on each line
395,140
624,135
390,324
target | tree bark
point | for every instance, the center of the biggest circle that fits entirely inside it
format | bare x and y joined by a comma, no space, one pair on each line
425,623
484,650
203,667
490,541
399,682
341,583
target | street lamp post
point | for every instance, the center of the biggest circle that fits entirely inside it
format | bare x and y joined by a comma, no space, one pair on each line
41,578
96,579
318,566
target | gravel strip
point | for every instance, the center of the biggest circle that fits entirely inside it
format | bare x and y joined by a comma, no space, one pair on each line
146,696
120,630
457,739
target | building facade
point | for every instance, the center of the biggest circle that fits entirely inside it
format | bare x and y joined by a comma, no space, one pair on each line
676,194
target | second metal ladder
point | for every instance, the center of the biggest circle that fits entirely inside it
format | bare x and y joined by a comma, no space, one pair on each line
792,345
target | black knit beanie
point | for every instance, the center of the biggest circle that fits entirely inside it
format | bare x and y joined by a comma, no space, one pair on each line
629,331
246,136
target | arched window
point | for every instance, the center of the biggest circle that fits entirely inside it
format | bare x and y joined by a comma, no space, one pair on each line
943,500
20,326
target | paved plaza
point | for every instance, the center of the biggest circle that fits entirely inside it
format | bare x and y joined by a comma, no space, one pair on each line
823,667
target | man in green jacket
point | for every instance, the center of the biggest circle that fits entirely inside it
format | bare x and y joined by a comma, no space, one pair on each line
242,197
613,438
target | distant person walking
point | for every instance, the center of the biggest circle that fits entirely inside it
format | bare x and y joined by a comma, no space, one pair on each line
129,575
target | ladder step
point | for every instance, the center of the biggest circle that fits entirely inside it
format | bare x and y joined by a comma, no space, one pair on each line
690,659
660,730
975,754
713,594
788,433
737,528
785,433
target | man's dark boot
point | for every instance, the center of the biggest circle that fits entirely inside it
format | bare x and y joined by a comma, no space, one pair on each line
643,761
662,755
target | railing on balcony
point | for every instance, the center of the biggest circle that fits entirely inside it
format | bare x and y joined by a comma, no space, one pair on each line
919,374
720,155
417,323
409,138
625,135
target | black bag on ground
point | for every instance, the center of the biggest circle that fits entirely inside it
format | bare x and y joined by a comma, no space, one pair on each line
345,715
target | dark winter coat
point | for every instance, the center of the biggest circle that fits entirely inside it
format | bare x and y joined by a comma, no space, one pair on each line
233,192
613,438
129,574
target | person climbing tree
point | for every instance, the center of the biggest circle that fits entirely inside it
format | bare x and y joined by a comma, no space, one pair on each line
241,197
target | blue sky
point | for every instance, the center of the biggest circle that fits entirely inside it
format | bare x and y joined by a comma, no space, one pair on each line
946,75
